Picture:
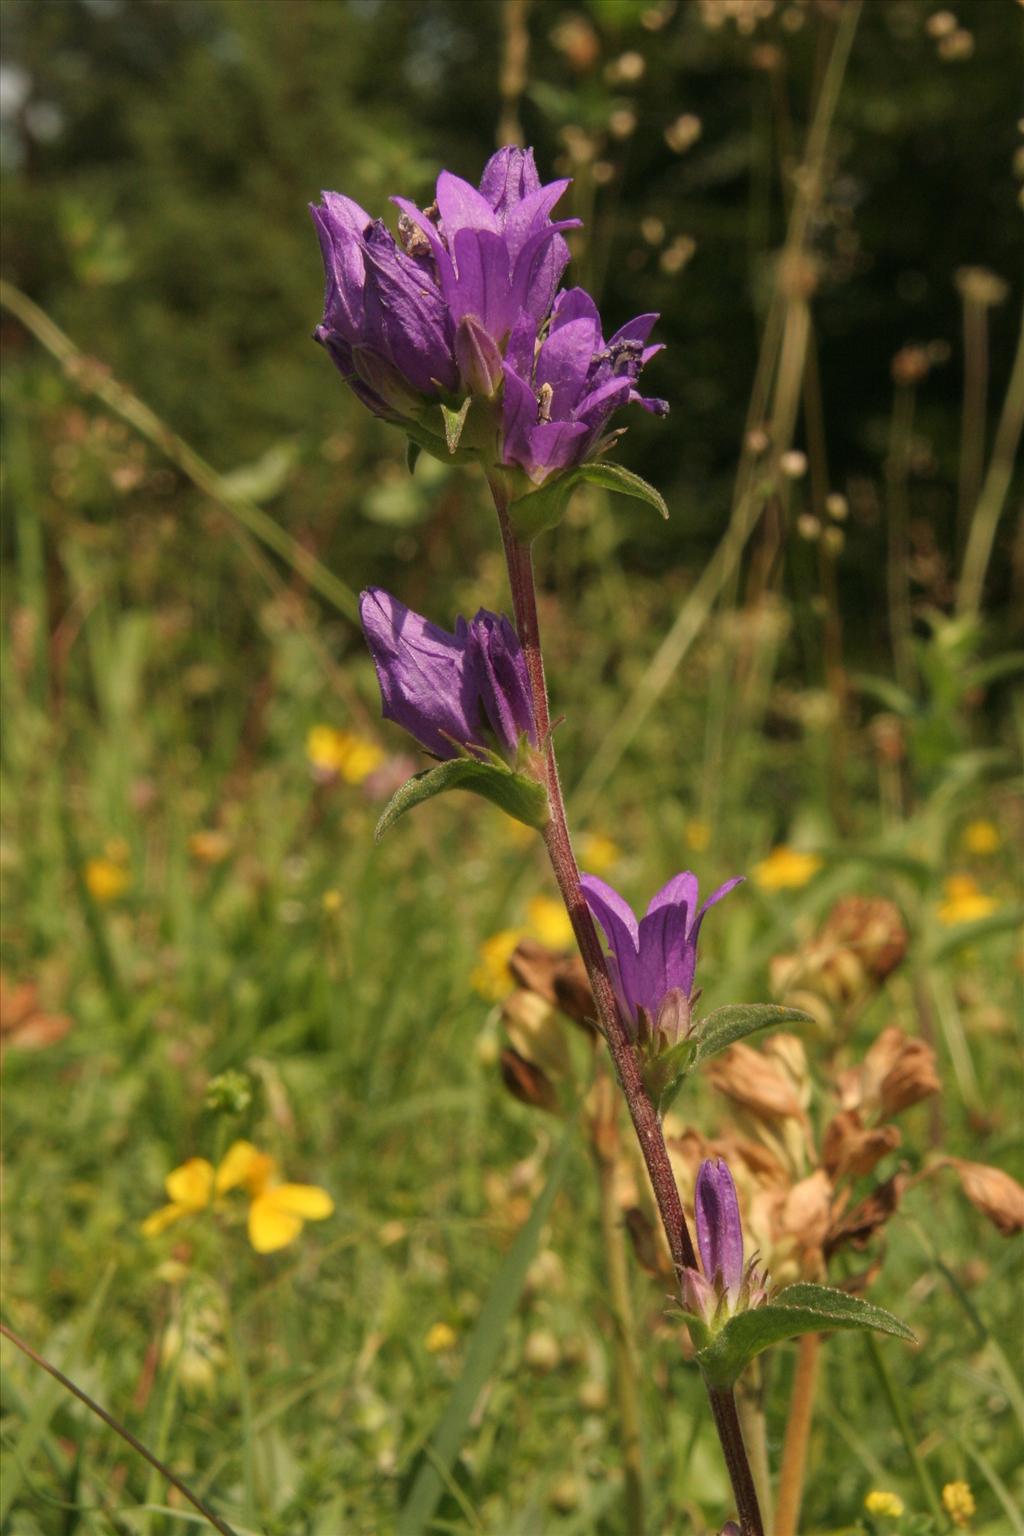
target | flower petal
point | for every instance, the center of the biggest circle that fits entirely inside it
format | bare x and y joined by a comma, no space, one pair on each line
238,1165
191,1185
165,1217
483,286
664,962
563,362
681,890
509,176
271,1228
500,675
531,215
716,896
719,1231
425,684
462,207
306,1200
615,915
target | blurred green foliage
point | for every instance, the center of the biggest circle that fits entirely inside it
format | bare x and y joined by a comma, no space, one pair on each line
211,945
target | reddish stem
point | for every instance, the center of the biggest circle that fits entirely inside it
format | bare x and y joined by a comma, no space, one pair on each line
642,1112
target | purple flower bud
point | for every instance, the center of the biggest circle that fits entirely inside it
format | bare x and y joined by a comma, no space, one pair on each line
719,1232
658,955
449,691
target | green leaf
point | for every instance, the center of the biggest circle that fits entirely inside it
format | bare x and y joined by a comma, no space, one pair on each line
482,1355
800,1308
886,692
412,453
614,478
727,1025
454,421
519,797
544,508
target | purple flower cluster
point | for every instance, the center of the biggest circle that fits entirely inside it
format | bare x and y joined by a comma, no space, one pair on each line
726,1285
466,690
653,961
466,302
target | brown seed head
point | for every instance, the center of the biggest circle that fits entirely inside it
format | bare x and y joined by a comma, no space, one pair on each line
994,1193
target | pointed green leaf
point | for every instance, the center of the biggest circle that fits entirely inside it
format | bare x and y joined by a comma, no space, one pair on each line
800,1308
543,508
519,797
454,421
412,453
614,478
727,1025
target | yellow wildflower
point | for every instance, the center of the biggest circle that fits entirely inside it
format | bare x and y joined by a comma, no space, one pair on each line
276,1211
548,921
697,835
785,869
340,754
879,1502
491,976
105,880
189,1189
598,854
965,902
979,837
331,901
440,1338
958,1502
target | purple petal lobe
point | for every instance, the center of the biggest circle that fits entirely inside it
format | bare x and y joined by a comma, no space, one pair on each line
509,176
719,1232
616,917
563,361
716,896
500,676
681,890
662,950
483,288
422,674
462,207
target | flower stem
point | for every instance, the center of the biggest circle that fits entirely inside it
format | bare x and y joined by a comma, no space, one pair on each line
642,1112
798,1430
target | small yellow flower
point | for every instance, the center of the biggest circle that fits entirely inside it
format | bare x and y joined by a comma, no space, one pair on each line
105,880
879,1502
980,837
958,1502
697,835
548,921
209,846
965,902
491,976
440,1338
598,854
331,901
276,1211
785,869
189,1189
340,754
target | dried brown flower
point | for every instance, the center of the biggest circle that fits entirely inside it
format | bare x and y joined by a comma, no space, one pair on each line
849,1148
994,1193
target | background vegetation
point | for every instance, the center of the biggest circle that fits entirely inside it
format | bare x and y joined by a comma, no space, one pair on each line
190,882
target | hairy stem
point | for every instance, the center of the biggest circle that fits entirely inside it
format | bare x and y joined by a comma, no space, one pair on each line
642,1112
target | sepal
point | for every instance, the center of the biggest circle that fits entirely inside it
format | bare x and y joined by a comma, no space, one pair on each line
800,1308
545,507
522,798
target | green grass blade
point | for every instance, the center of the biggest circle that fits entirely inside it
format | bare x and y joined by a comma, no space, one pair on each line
482,1355
47,1399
